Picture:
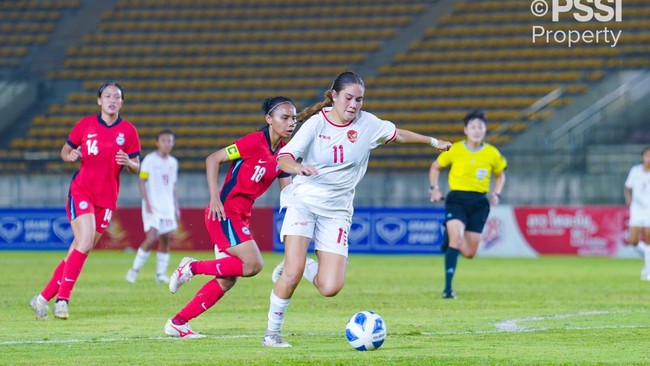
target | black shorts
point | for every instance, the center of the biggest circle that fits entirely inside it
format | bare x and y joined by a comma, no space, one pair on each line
472,208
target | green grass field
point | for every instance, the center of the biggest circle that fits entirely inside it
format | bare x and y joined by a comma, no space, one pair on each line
551,310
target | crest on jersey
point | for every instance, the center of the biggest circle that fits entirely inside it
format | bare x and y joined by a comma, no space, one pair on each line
120,139
245,230
352,136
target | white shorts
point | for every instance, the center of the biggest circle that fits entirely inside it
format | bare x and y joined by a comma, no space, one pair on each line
154,221
329,234
639,218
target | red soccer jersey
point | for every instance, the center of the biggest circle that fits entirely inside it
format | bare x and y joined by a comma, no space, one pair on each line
99,173
252,174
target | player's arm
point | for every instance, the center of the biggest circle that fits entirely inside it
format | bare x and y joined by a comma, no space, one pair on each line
69,154
410,137
132,164
628,196
284,182
434,176
288,164
499,182
212,164
142,184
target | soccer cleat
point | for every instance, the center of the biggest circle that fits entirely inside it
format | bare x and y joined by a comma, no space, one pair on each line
131,275
180,331
40,307
449,294
162,278
645,275
181,275
274,339
61,309
277,272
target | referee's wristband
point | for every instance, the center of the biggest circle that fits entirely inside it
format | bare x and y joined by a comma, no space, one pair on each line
434,142
433,188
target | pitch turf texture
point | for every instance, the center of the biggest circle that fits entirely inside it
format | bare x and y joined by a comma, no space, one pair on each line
551,310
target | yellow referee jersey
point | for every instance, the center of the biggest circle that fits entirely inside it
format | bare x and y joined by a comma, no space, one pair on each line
471,170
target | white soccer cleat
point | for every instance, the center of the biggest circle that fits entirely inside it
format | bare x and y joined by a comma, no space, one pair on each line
275,340
277,272
61,310
180,331
181,275
40,307
645,275
131,275
162,278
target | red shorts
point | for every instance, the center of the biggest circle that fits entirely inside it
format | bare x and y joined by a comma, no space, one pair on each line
227,233
79,204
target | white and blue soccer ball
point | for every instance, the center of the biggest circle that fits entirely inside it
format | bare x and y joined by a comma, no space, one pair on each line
366,331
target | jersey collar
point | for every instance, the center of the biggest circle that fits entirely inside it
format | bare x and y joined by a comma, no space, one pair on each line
103,123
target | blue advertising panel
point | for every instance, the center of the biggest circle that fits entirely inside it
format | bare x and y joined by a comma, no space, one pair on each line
388,230
34,229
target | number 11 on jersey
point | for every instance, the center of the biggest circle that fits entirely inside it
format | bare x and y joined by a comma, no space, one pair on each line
338,154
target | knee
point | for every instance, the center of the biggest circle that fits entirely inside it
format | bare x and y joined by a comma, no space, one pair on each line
469,255
290,277
329,289
253,267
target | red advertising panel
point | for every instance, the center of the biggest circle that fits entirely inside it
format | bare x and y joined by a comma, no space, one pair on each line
126,230
593,230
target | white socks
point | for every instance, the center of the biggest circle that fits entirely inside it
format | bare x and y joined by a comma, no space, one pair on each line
276,312
645,251
162,262
311,269
140,259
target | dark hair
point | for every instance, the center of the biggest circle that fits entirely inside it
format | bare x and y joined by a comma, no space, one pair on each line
342,80
269,104
164,132
107,84
477,113
647,148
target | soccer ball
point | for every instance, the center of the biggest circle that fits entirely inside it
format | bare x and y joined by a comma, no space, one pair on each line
366,331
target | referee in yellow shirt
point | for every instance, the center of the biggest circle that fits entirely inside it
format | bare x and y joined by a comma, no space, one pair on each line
472,162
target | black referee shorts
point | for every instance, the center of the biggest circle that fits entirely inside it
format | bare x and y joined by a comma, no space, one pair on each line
472,208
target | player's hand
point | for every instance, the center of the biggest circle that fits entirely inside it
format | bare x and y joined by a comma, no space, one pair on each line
436,195
494,199
122,158
306,170
74,155
216,210
147,207
443,145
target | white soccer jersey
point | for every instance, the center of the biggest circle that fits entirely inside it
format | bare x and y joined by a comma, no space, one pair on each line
160,174
639,181
340,154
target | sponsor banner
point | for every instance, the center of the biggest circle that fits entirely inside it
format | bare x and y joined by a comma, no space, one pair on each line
502,237
30,229
386,230
49,229
590,231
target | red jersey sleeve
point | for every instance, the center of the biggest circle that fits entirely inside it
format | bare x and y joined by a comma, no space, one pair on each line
247,145
76,135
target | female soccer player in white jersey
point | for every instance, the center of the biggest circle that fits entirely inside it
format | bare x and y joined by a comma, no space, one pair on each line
334,144
160,210
637,197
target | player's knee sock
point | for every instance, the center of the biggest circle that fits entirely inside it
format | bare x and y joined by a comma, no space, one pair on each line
140,258
451,260
71,271
53,284
311,269
645,249
276,312
205,298
162,262
228,266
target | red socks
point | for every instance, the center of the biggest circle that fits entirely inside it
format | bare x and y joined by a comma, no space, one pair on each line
223,267
52,287
204,299
71,271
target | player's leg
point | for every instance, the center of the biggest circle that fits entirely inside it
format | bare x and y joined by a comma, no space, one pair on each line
296,233
150,224
645,247
204,299
331,244
456,232
475,223
162,258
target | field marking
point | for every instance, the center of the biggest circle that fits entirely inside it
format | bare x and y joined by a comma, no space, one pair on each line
505,326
